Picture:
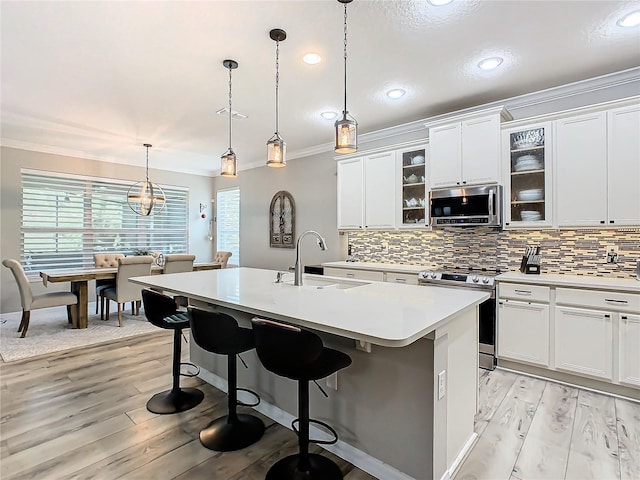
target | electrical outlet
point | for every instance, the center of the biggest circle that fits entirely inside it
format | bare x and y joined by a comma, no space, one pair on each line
442,384
612,253
385,247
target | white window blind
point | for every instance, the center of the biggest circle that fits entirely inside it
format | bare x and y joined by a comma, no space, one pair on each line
67,218
228,223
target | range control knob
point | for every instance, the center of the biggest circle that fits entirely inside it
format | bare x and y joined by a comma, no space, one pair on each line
485,280
475,279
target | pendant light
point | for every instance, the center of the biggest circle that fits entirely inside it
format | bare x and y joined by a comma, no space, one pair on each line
346,127
146,198
229,165
276,147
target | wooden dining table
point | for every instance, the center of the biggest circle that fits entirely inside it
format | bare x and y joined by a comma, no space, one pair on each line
80,278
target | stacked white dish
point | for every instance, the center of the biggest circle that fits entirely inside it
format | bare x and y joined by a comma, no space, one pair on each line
530,195
527,162
530,215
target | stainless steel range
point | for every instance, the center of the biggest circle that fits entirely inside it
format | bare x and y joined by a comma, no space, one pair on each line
476,278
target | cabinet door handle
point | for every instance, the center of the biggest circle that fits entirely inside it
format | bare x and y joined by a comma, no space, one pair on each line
607,316
523,292
601,221
624,317
611,300
612,221
351,275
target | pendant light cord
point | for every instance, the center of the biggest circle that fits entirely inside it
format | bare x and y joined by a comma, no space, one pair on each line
147,169
345,59
277,80
230,114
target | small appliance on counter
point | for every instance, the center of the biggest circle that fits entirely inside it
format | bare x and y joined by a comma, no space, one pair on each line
531,260
315,269
350,256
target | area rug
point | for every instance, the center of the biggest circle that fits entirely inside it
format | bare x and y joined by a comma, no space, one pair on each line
50,332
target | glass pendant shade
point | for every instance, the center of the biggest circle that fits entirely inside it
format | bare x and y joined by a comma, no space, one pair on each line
346,134
276,152
146,198
229,166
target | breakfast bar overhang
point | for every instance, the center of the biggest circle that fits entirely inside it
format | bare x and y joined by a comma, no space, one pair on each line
405,407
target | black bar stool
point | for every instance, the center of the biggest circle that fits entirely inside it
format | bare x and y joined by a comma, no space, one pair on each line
161,311
219,333
299,354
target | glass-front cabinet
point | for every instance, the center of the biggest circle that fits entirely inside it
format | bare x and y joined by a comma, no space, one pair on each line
527,176
413,192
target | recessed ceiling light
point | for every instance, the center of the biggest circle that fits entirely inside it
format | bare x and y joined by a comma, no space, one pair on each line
312,58
328,115
630,20
396,93
438,3
490,63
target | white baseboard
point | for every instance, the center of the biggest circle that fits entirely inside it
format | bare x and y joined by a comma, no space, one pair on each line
356,457
471,441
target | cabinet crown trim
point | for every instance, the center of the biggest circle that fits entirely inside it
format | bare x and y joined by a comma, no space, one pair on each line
500,110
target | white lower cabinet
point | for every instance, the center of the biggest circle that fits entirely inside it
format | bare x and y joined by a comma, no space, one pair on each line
355,274
402,278
523,331
584,342
629,338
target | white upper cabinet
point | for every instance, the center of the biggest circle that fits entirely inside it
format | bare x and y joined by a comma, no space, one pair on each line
623,129
465,150
367,195
380,196
581,170
597,168
351,193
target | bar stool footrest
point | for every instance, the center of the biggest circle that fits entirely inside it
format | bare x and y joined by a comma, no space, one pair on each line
254,404
189,374
333,433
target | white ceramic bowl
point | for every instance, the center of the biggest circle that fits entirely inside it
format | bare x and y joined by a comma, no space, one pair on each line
530,195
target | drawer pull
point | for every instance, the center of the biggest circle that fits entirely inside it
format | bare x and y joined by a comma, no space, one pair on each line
401,280
624,317
611,300
523,292
351,275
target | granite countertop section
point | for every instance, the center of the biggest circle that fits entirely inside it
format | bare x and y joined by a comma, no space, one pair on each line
382,267
573,281
380,313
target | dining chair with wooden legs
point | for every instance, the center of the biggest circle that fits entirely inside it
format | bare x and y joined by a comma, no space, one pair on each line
104,260
125,291
30,301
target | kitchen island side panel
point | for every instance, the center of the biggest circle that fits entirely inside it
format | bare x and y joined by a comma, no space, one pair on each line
386,404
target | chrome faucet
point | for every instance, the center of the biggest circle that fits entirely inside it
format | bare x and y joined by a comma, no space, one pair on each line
298,268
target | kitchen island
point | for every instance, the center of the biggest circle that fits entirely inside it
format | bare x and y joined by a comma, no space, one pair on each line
405,407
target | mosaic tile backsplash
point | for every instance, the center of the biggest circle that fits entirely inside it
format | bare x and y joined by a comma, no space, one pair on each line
578,252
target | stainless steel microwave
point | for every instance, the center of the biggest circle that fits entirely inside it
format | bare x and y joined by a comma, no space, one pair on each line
466,207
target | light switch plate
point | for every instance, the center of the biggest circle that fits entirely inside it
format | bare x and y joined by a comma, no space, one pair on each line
442,384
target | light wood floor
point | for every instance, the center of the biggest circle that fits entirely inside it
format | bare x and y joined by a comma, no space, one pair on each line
532,429
82,415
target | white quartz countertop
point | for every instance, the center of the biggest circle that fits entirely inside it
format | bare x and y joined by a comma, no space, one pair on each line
381,313
573,281
383,267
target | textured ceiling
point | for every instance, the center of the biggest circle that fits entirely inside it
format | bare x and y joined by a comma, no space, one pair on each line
98,79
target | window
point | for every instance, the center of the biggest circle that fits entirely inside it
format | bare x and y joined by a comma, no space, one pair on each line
67,218
228,223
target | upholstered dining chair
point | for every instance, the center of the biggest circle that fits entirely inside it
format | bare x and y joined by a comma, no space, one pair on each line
125,291
104,260
178,262
222,258
32,302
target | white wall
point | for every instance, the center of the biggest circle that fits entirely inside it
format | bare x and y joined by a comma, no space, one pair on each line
12,160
